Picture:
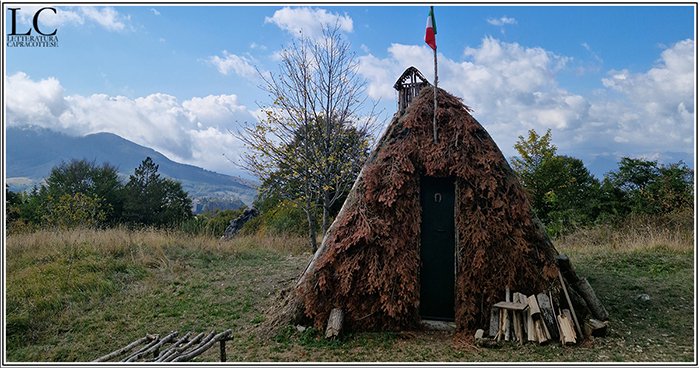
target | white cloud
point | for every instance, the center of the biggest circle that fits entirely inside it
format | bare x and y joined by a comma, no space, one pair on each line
309,21
500,22
106,17
194,131
514,88
241,65
256,46
156,12
29,102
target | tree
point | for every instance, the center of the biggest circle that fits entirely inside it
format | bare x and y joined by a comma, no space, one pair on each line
652,188
92,180
309,145
560,188
155,201
536,169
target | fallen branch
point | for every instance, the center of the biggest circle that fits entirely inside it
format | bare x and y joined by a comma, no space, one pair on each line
123,350
203,347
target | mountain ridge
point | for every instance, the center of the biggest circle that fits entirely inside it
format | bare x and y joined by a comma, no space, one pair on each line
27,167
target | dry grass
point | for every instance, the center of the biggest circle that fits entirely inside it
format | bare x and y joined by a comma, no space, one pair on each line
77,295
674,232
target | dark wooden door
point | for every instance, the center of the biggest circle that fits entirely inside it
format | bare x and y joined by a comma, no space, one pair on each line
437,250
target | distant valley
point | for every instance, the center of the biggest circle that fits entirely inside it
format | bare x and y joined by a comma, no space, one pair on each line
31,153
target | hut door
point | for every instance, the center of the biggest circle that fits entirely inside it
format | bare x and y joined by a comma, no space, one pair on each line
437,250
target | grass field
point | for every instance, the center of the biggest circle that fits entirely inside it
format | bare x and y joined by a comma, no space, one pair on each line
77,295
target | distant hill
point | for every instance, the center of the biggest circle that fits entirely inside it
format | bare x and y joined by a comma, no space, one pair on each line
31,153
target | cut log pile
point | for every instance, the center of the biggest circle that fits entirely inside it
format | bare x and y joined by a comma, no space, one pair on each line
533,318
155,348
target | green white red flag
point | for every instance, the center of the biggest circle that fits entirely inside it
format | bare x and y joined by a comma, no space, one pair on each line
431,30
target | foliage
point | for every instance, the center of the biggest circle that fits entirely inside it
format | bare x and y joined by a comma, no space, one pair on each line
71,211
652,188
277,216
560,188
565,195
155,201
211,224
90,179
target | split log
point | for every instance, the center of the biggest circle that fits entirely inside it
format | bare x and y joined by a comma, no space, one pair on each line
506,323
517,327
494,322
594,327
511,306
335,323
568,316
501,324
532,303
531,334
522,299
568,300
541,332
548,315
567,329
582,287
123,350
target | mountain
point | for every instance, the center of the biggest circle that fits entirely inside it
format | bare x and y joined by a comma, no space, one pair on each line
31,153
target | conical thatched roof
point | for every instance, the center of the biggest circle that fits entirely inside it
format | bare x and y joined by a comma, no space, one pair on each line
368,262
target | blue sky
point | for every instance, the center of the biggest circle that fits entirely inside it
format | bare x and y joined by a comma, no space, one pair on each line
610,81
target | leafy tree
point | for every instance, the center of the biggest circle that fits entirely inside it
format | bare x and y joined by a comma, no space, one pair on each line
560,188
652,188
156,201
571,199
82,176
302,145
71,211
536,169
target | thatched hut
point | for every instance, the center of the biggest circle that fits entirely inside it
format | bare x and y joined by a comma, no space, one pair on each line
429,230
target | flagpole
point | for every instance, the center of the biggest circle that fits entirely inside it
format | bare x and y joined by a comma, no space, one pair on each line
435,98
436,81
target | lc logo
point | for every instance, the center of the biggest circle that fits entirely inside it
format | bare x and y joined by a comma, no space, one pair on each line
36,23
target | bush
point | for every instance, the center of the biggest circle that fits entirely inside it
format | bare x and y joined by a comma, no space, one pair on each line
211,224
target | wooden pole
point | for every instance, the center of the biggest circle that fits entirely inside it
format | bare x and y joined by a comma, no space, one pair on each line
122,350
435,96
568,300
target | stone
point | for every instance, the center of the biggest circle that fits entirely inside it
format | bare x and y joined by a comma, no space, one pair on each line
479,334
237,224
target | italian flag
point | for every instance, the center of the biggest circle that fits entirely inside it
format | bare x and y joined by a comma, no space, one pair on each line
431,30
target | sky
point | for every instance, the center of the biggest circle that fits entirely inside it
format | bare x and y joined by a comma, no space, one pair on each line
609,81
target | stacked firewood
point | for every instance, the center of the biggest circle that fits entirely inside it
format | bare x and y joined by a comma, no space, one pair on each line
534,318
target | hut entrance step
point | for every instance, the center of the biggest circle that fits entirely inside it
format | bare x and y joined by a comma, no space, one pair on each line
434,325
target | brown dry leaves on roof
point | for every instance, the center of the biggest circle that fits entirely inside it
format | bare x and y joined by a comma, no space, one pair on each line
371,268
